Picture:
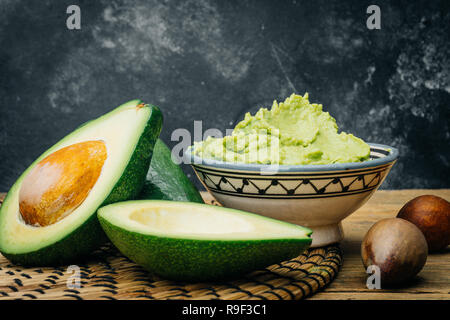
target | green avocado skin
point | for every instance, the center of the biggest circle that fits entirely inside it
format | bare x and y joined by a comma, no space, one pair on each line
201,260
89,236
166,180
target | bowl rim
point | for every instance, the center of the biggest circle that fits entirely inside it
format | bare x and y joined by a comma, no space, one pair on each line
392,156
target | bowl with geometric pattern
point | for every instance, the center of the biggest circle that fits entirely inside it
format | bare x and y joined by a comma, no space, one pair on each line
315,196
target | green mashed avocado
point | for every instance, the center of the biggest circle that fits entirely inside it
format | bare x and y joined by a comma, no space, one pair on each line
292,132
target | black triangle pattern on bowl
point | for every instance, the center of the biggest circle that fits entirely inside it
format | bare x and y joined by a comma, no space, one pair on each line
318,186
289,185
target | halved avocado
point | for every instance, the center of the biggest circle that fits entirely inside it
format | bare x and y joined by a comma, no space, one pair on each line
48,216
195,242
166,180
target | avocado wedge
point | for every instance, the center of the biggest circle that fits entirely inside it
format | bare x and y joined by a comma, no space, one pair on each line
196,242
166,180
48,216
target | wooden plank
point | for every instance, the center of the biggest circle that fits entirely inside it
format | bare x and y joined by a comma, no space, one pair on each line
432,283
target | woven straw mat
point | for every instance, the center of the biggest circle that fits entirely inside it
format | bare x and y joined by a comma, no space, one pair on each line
110,275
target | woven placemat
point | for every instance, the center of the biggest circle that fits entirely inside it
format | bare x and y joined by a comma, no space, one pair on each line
110,275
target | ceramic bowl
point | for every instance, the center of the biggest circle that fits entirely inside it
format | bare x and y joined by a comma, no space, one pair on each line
315,196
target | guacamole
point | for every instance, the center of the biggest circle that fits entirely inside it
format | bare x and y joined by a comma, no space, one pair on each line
292,132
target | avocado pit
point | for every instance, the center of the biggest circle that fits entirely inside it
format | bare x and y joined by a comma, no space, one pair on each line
431,214
397,247
60,182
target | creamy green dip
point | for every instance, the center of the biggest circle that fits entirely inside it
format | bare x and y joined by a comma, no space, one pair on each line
292,132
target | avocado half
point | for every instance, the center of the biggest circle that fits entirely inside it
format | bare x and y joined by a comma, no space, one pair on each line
127,136
195,242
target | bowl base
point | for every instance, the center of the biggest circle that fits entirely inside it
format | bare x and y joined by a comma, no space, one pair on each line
325,235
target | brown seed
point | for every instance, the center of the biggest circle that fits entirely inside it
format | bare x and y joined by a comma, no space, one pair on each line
397,247
60,182
431,214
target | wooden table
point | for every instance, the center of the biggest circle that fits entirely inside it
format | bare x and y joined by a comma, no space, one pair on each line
433,281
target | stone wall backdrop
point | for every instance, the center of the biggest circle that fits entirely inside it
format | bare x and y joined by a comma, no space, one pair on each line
215,60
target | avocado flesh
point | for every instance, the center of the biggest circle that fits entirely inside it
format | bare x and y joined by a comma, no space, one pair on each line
166,180
196,242
129,133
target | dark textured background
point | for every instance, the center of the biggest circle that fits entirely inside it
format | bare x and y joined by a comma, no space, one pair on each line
214,60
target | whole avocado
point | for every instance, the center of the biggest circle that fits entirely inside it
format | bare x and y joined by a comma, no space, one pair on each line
166,180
